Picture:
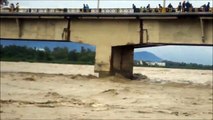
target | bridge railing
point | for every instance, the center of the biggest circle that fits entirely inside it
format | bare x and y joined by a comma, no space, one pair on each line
102,10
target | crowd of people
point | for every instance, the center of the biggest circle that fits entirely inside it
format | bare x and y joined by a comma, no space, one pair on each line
182,7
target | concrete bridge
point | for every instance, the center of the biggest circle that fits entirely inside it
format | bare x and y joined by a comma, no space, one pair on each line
115,35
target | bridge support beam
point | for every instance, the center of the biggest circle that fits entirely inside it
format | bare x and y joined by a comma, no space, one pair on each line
122,61
114,60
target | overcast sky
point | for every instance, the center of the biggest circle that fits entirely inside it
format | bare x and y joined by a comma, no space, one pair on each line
103,3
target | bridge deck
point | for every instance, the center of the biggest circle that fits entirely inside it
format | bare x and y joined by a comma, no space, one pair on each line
96,15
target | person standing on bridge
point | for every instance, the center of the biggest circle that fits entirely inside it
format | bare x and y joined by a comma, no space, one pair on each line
170,7
148,8
179,7
141,9
133,7
17,7
87,7
183,6
144,9
12,7
187,6
160,7
84,8
207,7
190,7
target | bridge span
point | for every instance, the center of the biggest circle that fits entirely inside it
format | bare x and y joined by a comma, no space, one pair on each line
115,35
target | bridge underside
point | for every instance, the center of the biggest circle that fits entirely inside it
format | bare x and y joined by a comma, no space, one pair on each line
115,37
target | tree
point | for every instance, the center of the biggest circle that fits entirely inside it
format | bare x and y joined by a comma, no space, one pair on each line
48,54
1,51
57,55
73,56
40,55
87,56
47,49
83,50
60,53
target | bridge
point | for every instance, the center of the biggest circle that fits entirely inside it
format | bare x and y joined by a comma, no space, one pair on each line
115,34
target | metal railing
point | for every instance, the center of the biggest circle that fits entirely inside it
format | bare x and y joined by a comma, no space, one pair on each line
102,10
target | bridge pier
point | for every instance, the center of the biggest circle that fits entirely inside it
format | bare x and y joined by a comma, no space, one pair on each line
122,61
118,61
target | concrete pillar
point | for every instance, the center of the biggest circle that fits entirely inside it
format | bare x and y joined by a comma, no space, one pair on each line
122,61
102,60
114,60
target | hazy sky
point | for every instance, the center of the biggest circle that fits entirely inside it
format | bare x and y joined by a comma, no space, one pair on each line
188,54
103,3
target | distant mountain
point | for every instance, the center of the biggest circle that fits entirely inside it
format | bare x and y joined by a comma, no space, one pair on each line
146,56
